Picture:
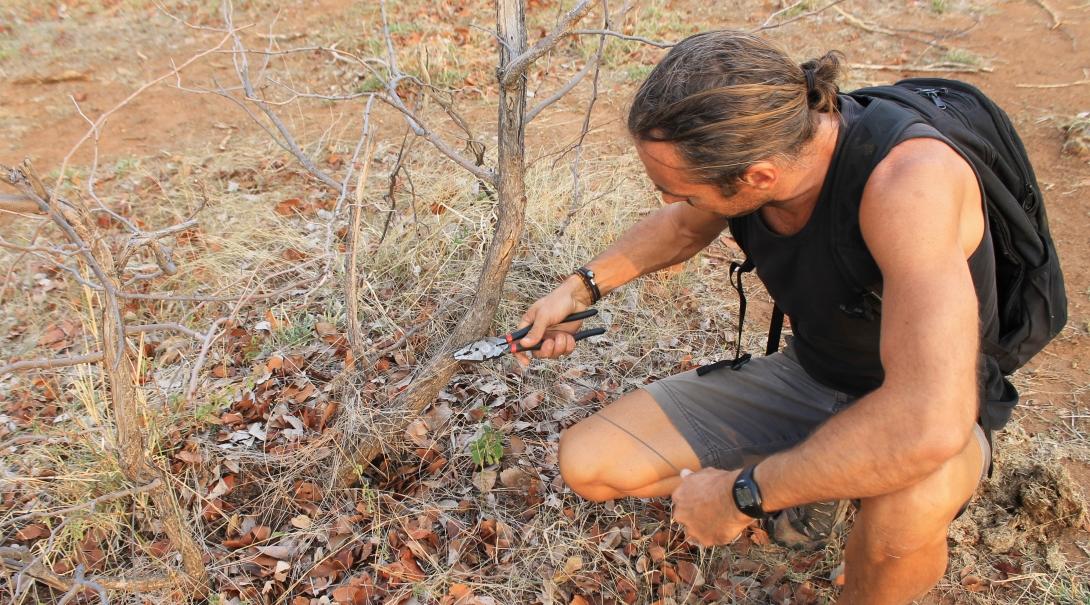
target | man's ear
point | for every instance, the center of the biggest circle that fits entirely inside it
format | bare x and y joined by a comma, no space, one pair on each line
761,175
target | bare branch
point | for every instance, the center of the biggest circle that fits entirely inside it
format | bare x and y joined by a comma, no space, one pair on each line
198,298
875,28
1060,85
80,582
1056,20
768,24
615,34
932,67
418,128
518,66
355,332
102,118
88,505
563,90
209,338
165,327
15,558
286,140
48,364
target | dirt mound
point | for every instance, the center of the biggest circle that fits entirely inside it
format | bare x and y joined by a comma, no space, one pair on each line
1023,507
1077,135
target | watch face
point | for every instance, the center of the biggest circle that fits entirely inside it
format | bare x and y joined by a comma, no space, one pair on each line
744,498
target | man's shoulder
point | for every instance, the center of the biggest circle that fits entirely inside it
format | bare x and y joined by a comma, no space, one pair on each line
925,165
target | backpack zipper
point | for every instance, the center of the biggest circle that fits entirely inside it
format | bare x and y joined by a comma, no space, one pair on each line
933,94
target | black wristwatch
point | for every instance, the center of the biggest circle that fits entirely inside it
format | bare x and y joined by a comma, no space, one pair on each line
747,495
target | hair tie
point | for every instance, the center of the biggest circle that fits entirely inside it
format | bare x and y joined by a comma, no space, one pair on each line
813,97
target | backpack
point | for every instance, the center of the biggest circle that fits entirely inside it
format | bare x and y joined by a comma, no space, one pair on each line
1032,302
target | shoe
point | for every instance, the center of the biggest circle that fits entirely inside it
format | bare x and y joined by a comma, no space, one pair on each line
810,526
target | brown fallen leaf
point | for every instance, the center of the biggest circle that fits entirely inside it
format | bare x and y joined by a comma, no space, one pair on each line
690,573
291,254
289,206
782,595
307,492
759,536
974,583
805,594
34,531
189,457
515,477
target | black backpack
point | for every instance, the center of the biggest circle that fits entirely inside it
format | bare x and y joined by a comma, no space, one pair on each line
1029,286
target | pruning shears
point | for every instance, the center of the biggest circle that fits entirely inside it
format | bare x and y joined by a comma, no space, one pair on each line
494,346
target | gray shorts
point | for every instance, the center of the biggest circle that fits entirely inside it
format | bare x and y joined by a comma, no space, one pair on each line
732,418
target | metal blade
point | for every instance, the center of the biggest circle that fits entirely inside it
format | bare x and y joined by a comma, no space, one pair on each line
486,348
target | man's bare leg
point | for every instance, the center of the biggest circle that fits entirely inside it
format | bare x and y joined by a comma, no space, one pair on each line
629,448
897,548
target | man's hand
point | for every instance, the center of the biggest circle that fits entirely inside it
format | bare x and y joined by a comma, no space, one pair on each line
569,297
704,506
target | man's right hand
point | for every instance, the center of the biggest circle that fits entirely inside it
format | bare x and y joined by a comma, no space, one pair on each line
545,315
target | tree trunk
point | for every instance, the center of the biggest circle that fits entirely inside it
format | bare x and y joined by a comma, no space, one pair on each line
389,422
118,365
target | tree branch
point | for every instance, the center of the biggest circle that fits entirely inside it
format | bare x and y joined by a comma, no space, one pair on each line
615,34
102,118
518,66
48,364
768,24
392,99
88,505
931,67
286,140
209,338
563,90
418,128
140,329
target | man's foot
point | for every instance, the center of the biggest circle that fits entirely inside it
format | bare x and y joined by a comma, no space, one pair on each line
810,526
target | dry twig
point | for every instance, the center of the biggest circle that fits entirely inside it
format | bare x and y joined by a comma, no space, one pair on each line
1056,20
89,505
1060,85
931,67
48,364
355,331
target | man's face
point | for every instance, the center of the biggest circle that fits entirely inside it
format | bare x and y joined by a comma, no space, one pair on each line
667,170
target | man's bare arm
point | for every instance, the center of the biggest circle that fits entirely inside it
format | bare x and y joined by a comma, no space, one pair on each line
668,236
922,415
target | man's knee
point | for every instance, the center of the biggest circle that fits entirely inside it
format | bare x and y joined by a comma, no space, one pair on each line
919,516
580,463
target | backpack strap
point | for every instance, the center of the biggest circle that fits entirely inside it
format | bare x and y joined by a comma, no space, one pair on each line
866,143
775,327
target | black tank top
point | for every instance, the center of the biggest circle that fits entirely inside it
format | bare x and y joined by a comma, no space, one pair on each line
836,324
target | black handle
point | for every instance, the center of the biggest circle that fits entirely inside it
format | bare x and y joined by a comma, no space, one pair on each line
580,335
517,334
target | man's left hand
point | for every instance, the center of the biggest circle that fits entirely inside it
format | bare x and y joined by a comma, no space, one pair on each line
703,504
